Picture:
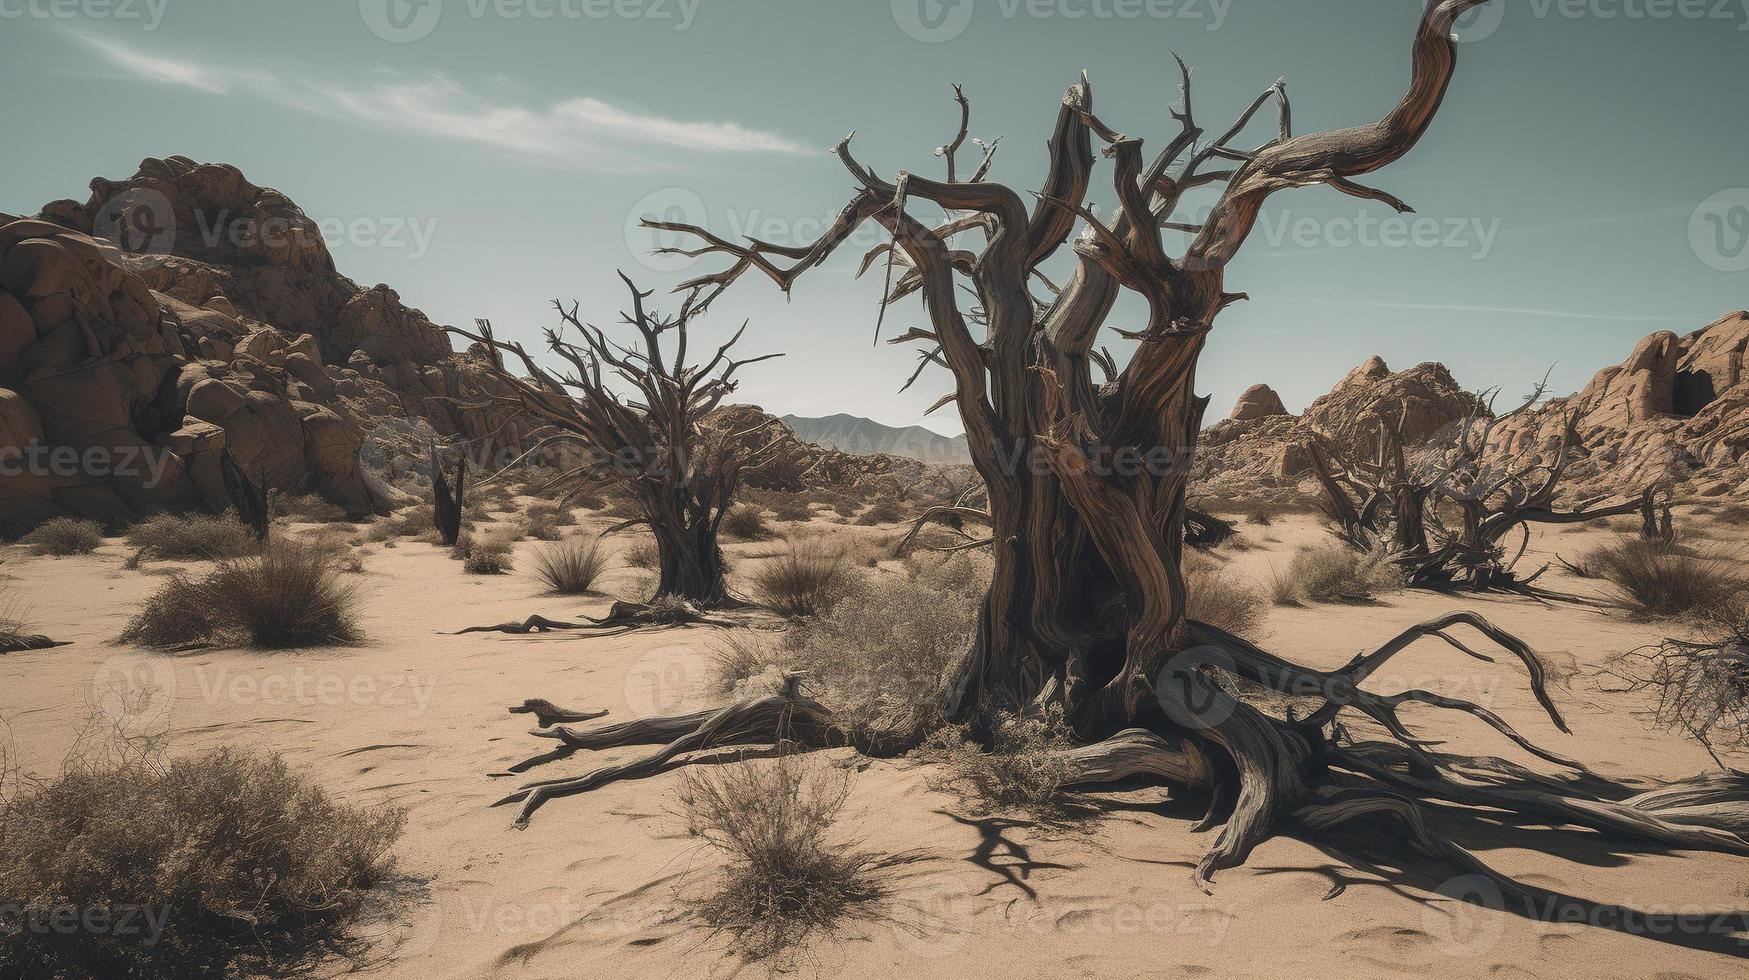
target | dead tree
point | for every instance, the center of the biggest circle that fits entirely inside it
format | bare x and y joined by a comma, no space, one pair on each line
1086,609
659,445
448,501
248,498
1398,501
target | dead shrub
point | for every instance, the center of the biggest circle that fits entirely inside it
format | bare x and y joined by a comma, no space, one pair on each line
1699,687
883,512
1224,601
1335,573
64,536
191,537
1660,581
786,876
1023,770
289,596
803,581
308,508
225,864
571,567
643,554
746,522
485,555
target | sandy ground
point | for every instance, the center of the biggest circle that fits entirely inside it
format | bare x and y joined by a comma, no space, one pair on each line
597,886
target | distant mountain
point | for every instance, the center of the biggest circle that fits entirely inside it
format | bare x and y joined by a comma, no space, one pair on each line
864,437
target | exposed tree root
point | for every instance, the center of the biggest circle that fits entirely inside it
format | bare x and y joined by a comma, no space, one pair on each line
1259,772
19,643
623,617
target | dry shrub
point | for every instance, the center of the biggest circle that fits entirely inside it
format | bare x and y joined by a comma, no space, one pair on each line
488,554
1260,517
1656,580
409,523
15,630
1699,687
805,580
1335,573
65,536
790,508
1024,769
746,522
1224,601
222,864
309,508
571,567
643,554
786,876
880,656
191,537
544,512
287,597
883,512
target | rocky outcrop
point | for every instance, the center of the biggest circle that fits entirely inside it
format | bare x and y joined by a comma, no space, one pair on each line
184,311
1675,412
1258,402
865,437
1260,452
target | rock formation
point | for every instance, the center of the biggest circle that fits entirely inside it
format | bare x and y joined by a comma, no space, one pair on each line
1258,402
186,310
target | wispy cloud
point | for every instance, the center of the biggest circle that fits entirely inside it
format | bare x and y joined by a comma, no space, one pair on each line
583,131
154,68
1507,311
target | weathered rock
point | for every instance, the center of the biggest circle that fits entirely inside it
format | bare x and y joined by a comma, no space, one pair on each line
1258,401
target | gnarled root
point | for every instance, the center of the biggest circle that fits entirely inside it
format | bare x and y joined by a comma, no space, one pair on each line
20,643
623,617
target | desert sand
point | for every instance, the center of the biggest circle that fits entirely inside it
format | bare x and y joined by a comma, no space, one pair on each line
598,884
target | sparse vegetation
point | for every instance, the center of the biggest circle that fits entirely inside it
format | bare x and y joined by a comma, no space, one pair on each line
643,554
1700,686
747,523
1023,769
1224,601
287,597
221,864
786,876
191,537
309,508
485,555
805,580
885,511
1656,580
64,536
1334,573
571,567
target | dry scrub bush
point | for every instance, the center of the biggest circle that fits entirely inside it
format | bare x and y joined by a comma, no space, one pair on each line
1023,771
746,522
1334,573
226,863
191,537
1656,580
409,523
308,508
805,580
881,655
786,877
643,554
1224,601
485,555
65,536
571,567
287,597
883,512
1699,687
544,512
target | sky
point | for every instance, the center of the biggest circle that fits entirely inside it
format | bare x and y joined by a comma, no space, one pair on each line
1583,186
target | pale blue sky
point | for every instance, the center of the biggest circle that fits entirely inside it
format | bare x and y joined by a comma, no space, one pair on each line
1557,190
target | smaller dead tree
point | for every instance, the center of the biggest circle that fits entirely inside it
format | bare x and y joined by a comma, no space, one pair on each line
448,502
1447,514
1698,687
659,444
248,498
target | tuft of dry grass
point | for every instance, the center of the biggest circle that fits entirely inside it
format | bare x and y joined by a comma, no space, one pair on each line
805,580
643,554
1334,573
746,522
224,863
1664,581
485,555
571,567
886,511
786,877
191,537
64,536
289,596
308,508
1224,601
